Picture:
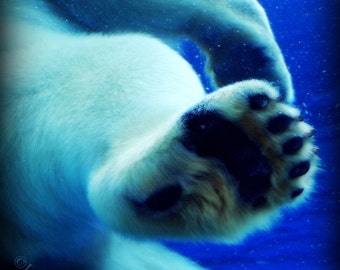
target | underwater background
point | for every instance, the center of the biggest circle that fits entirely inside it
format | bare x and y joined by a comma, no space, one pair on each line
307,237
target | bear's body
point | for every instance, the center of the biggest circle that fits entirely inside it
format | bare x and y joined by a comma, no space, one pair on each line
102,134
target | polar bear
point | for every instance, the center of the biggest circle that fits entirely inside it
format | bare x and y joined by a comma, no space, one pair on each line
109,141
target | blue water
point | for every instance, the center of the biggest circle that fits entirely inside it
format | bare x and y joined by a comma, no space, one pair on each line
307,237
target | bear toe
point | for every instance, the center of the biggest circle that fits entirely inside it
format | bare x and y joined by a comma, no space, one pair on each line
297,193
258,101
299,170
292,146
279,124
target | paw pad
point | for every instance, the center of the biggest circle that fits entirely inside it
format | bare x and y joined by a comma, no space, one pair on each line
300,169
279,124
297,193
293,145
162,200
223,140
258,101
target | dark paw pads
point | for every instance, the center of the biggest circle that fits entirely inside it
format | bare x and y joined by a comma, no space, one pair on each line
261,201
258,101
163,199
292,146
297,193
279,124
300,169
209,135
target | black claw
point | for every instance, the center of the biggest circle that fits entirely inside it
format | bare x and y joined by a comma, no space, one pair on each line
292,145
311,133
258,101
163,199
279,124
299,169
300,118
297,193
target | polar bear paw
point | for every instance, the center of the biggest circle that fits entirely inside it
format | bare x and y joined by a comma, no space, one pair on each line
263,144
248,154
233,161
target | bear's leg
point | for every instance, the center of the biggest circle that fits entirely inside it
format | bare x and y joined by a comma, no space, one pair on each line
235,35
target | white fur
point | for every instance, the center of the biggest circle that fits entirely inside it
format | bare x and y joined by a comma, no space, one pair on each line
88,120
